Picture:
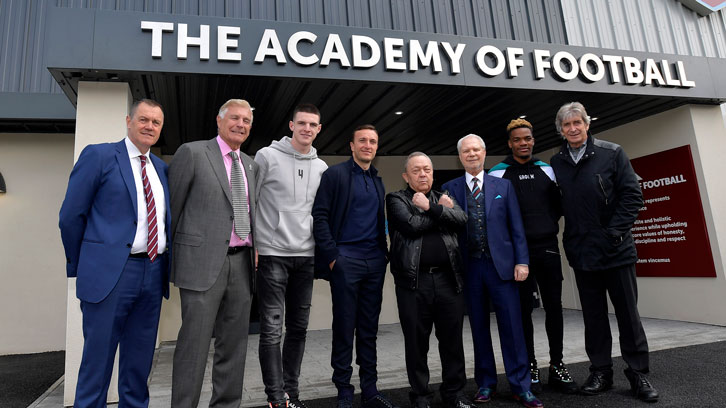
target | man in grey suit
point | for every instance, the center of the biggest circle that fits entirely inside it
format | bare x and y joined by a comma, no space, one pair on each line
213,258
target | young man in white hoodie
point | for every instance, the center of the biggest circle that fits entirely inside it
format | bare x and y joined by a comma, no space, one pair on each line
288,178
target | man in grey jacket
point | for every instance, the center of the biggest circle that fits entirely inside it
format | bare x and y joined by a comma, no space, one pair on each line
289,175
212,186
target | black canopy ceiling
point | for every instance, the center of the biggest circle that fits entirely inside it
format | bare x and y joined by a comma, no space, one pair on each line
433,116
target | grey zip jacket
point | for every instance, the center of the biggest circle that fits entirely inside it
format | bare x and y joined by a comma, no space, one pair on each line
286,186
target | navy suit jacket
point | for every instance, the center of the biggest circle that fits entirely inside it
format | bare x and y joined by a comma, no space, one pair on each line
98,219
505,231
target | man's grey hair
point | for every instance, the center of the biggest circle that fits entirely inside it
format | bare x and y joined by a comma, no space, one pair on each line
477,137
415,154
235,102
569,110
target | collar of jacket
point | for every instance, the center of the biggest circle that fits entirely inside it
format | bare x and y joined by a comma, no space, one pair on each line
410,192
589,147
352,164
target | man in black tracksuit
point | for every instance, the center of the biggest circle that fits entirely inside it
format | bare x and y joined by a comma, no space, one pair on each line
601,199
540,204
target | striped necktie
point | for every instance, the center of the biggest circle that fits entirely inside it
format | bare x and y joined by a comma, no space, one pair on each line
476,191
152,240
239,199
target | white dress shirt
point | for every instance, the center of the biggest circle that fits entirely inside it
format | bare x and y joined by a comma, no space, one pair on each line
479,177
142,225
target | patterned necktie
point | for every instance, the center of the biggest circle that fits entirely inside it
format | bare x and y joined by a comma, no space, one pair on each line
152,242
476,191
239,199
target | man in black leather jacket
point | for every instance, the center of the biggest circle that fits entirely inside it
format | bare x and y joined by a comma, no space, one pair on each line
426,266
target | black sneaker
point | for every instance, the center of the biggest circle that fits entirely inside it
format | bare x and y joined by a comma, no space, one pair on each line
295,403
379,401
536,385
278,404
561,380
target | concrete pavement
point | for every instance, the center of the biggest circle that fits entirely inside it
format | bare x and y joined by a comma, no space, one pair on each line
316,372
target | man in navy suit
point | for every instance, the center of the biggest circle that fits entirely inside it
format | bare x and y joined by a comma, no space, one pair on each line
114,224
494,252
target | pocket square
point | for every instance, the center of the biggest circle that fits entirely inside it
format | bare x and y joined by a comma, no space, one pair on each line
498,197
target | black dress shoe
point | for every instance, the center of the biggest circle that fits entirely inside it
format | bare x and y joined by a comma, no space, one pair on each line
641,387
598,382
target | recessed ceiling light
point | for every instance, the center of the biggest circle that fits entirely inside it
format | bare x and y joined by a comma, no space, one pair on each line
399,112
595,118
252,108
523,116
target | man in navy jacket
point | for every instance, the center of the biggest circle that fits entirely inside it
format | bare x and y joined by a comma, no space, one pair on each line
349,231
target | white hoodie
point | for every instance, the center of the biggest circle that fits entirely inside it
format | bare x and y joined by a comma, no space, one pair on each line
286,186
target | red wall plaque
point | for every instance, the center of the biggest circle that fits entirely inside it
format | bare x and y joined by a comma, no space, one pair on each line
670,233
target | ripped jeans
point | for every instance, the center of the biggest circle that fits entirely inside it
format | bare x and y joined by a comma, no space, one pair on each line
284,291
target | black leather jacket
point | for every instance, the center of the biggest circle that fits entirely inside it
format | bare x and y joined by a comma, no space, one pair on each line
406,226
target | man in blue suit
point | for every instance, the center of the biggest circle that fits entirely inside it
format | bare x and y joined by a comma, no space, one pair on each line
114,224
494,252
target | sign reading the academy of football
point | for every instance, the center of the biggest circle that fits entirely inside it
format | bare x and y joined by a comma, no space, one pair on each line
113,43
670,232
410,54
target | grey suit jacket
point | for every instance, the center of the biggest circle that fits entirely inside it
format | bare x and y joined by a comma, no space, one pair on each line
201,213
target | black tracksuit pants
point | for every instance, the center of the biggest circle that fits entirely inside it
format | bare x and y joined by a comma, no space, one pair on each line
545,271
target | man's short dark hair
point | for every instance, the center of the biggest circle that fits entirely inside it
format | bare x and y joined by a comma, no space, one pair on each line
307,108
363,127
146,101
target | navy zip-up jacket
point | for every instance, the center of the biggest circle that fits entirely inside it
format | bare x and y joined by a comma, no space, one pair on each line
330,211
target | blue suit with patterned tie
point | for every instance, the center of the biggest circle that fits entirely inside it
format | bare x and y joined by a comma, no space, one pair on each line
491,276
120,295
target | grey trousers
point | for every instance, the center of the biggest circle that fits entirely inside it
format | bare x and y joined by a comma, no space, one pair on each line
222,311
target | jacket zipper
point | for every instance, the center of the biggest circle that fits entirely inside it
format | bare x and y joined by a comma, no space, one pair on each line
602,188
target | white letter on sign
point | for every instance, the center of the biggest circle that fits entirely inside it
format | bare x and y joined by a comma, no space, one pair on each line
183,41
156,28
499,64
426,58
224,43
295,53
358,41
270,47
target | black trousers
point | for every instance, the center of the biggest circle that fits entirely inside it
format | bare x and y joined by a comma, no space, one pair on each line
356,287
621,285
434,303
545,271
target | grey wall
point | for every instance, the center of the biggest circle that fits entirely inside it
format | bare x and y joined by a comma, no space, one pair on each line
22,24
664,26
